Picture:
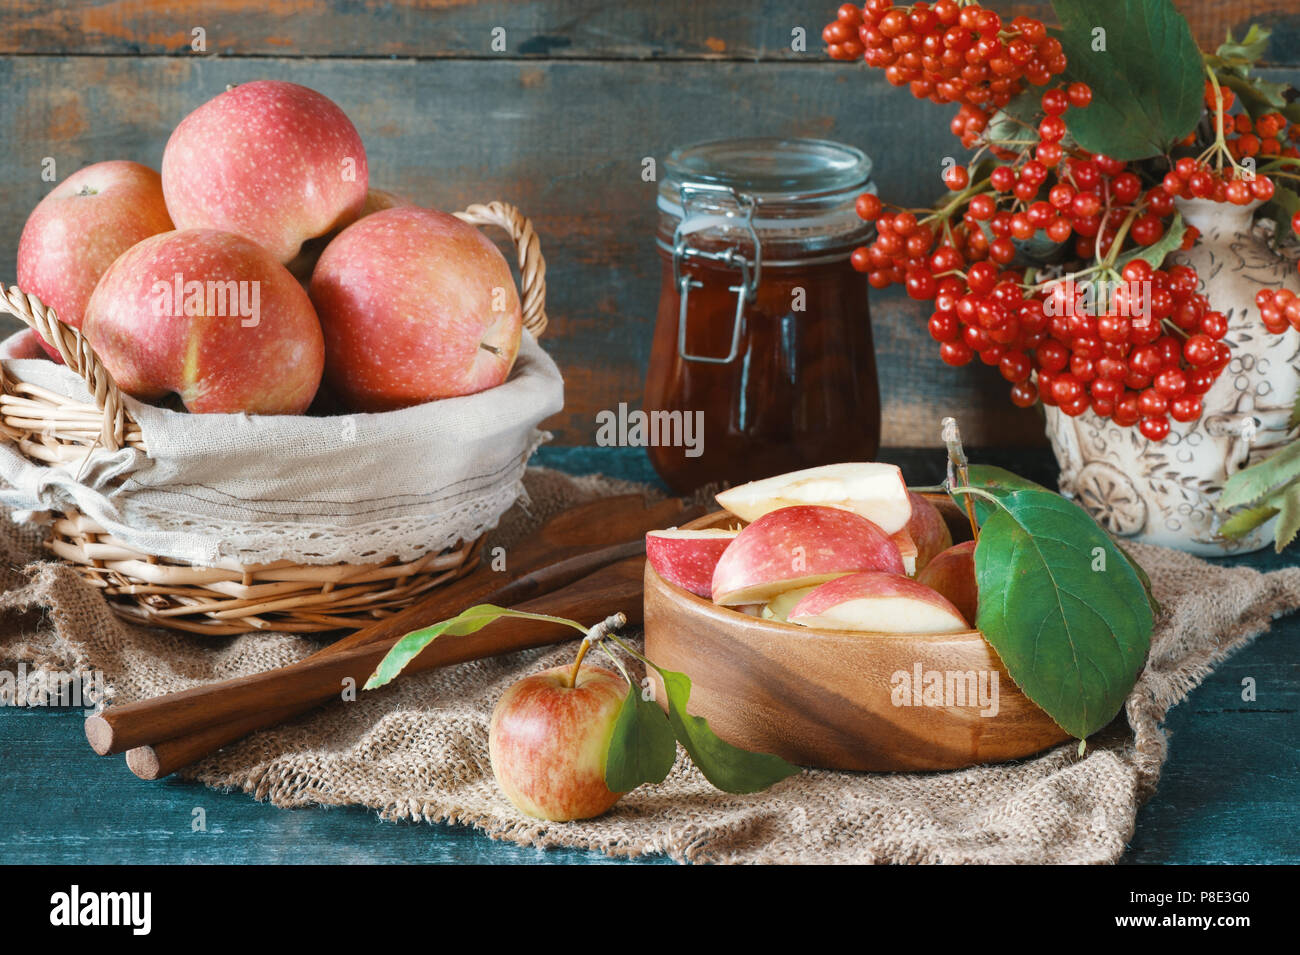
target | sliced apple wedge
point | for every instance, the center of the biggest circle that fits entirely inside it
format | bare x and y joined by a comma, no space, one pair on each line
952,574
877,602
907,549
687,557
928,530
779,607
875,491
799,547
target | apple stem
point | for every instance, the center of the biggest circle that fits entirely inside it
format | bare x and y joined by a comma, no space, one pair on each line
595,635
958,470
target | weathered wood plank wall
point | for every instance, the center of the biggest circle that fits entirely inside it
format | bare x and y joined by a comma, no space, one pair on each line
559,123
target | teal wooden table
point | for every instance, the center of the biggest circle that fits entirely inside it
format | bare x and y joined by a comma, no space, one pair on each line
1230,792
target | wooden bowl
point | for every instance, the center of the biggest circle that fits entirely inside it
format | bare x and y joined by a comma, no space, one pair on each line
835,699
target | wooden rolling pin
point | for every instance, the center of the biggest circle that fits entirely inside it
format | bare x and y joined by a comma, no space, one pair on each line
614,588
558,553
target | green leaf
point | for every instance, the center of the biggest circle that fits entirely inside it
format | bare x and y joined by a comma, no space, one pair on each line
1259,96
1293,420
642,749
1250,484
1284,204
727,767
997,480
1063,608
1142,577
1244,521
1288,518
1249,50
1147,87
466,622
1154,255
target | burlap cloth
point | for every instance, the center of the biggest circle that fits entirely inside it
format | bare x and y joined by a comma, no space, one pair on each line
418,748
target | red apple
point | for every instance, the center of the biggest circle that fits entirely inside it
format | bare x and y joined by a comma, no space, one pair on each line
305,261
548,741
212,317
878,602
874,490
416,305
687,557
275,162
79,228
928,529
798,547
952,573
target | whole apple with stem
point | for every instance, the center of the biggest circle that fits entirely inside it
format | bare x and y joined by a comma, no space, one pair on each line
549,738
81,226
415,305
275,162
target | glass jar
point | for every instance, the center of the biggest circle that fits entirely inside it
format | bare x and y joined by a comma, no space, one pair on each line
763,337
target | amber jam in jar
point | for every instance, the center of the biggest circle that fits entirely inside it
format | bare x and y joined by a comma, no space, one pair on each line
763,336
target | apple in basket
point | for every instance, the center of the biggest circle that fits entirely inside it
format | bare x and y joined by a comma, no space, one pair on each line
415,305
79,228
212,317
548,739
275,162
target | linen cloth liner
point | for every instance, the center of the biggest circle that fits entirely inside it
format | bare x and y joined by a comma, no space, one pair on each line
314,490
417,749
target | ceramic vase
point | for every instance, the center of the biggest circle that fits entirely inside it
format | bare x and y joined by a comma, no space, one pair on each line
1164,492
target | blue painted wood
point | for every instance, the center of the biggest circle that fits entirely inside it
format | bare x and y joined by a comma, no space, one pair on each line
1230,790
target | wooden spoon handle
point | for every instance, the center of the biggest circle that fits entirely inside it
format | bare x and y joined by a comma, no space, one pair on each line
614,588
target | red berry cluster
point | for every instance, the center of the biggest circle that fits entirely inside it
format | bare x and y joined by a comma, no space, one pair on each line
947,52
970,254
1279,309
1192,179
1136,369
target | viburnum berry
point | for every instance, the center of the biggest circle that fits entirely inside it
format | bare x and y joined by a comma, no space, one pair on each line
868,206
956,178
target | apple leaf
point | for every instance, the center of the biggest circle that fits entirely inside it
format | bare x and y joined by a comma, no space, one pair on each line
642,748
1062,606
465,622
727,767
1144,68
997,480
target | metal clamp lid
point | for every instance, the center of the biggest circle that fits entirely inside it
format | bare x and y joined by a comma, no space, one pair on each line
750,269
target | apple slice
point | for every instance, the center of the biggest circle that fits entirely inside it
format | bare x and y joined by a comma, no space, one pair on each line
687,557
928,529
907,549
799,547
779,607
876,491
952,573
878,602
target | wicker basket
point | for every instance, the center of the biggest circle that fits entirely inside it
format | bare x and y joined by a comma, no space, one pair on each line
226,597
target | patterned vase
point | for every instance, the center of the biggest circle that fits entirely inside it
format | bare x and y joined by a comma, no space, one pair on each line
1164,493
